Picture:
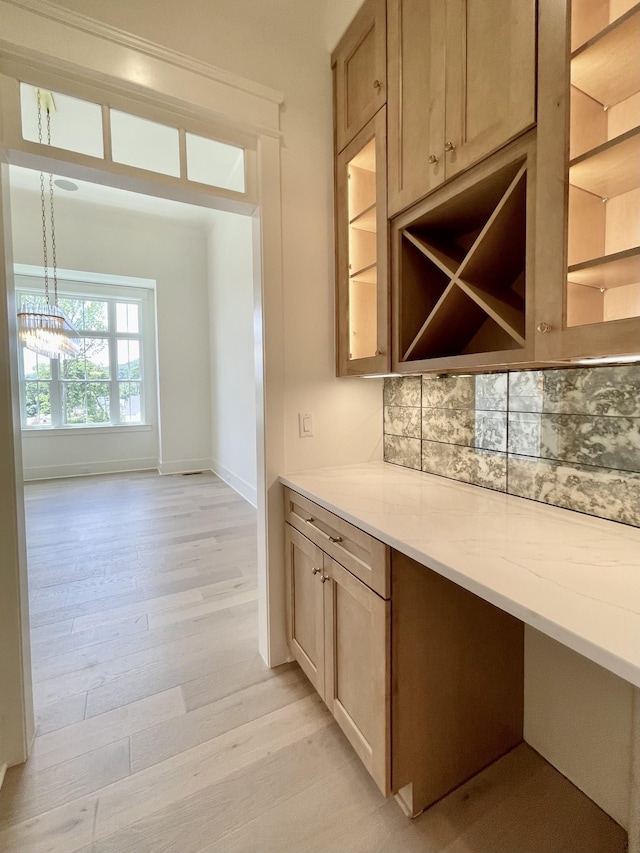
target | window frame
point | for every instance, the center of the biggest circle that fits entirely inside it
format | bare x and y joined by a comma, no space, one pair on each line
29,285
207,195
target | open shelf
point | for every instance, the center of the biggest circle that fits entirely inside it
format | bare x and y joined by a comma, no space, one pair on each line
604,289
495,261
366,221
457,325
368,274
442,258
461,270
609,271
507,309
603,275
607,67
363,340
597,228
362,253
592,125
590,17
610,169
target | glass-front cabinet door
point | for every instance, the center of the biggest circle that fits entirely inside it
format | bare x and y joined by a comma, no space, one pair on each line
590,134
361,260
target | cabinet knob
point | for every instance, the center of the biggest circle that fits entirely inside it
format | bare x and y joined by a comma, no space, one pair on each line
335,539
309,520
325,578
544,328
433,159
379,352
449,146
315,570
377,84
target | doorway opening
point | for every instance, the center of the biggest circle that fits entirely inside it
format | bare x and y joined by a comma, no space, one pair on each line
203,416
186,273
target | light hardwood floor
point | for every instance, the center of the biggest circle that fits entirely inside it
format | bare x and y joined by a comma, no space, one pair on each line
160,728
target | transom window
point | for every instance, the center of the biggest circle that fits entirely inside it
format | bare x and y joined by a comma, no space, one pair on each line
104,384
81,126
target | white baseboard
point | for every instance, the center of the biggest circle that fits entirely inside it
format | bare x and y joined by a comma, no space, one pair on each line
248,492
185,466
87,469
3,770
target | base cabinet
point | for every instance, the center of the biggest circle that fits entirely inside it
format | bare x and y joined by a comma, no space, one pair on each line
427,685
339,632
305,613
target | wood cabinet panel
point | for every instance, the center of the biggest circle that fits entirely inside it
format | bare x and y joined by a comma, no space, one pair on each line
305,606
365,557
458,684
461,85
360,71
339,632
490,79
416,71
357,636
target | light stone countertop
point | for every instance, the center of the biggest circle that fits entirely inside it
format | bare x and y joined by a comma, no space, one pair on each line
574,577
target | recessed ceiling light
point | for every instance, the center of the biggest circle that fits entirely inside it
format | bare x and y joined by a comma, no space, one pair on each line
63,184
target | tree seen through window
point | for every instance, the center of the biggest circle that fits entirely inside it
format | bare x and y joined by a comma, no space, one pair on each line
103,384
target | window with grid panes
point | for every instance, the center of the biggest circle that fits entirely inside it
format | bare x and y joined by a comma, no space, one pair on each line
104,384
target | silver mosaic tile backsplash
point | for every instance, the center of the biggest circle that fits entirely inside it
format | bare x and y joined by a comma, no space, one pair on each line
570,438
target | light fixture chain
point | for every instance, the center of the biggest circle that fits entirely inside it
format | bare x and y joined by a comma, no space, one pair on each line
43,207
53,222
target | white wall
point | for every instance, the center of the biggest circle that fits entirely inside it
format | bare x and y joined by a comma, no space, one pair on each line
579,717
339,15
231,332
103,240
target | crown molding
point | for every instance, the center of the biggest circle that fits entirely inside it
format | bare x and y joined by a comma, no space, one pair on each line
83,23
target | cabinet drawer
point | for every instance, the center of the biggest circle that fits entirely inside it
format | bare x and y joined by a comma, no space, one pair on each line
365,557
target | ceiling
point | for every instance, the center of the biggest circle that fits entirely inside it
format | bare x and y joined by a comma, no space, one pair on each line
28,180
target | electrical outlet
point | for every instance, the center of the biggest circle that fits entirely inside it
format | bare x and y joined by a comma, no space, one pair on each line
305,424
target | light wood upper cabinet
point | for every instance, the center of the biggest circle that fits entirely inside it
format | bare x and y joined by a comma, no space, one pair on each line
461,85
362,293
462,272
490,83
415,103
588,231
360,79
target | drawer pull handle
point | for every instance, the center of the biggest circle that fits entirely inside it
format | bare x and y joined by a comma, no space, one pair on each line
315,570
322,533
325,578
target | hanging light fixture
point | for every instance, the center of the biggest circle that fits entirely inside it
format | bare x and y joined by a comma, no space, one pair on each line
44,328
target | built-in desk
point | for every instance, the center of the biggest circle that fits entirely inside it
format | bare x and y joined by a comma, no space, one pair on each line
573,577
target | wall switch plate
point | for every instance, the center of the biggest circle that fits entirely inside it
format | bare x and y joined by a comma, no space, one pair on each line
305,424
